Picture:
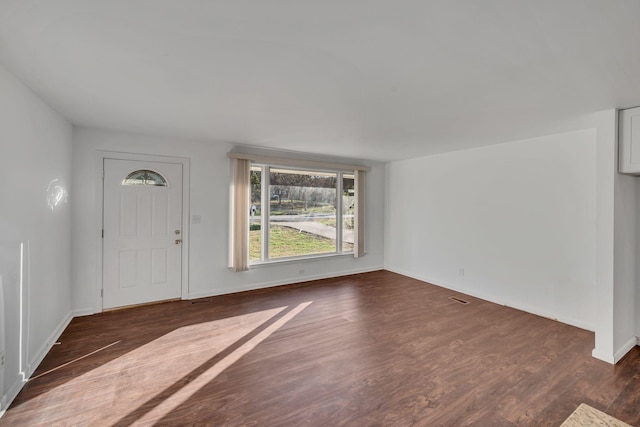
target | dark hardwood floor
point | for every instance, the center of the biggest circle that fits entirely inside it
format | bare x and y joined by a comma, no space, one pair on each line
374,349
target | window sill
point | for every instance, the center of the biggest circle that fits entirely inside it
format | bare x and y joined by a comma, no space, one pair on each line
295,260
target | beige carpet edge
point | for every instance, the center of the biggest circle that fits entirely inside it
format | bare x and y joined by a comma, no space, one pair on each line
586,416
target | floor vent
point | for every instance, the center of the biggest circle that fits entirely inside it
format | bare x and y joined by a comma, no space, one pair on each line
458,300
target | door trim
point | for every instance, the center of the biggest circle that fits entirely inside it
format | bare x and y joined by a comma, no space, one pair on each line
101,155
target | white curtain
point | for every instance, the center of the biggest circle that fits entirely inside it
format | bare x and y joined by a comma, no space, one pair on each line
239,215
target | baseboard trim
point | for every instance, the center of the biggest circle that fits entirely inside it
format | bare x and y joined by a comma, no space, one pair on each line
624,349
596,354
263,285
617,355
11,394
46,346
83,312
497,300
32,364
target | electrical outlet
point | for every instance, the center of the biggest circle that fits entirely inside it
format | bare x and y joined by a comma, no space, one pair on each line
196,219
1,361
462,271
301,271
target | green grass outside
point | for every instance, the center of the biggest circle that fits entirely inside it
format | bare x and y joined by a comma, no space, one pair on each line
286,242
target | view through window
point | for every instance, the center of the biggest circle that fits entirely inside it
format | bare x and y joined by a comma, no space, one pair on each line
300,213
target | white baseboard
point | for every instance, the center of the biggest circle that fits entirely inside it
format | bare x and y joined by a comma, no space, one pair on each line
500,301
11,394
624,349
46,346
596,354
262,285
32,364
83,312
617,355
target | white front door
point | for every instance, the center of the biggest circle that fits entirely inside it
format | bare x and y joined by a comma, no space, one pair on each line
142,244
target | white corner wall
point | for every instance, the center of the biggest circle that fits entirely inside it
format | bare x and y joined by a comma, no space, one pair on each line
624,255
511,223
35,146
616,247
637,263
209,192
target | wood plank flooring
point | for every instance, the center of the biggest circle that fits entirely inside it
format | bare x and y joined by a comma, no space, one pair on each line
374,349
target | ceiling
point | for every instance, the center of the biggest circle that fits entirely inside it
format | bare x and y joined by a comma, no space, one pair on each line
381,80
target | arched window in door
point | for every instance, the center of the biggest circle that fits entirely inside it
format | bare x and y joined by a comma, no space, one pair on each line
145,177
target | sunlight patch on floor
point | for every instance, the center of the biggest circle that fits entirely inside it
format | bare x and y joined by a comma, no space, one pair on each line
77,359
193,386
120,386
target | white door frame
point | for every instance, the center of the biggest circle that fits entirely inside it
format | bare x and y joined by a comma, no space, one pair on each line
100,157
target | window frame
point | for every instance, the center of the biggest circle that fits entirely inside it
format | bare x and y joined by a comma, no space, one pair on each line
265,213
240,194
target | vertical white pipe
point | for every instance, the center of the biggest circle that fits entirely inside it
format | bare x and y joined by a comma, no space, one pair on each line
21,315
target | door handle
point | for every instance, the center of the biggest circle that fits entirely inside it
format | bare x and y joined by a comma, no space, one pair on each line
178,241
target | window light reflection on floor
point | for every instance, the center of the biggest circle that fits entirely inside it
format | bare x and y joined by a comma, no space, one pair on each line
193,386
117,388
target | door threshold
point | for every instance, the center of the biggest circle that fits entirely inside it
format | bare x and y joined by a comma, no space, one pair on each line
124,307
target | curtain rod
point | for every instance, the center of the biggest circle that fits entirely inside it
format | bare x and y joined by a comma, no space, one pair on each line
285,161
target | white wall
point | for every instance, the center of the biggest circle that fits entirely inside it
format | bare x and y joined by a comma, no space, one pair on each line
35,149
519,218
624,255
637,271
208,273
624,250
616,246
605,123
